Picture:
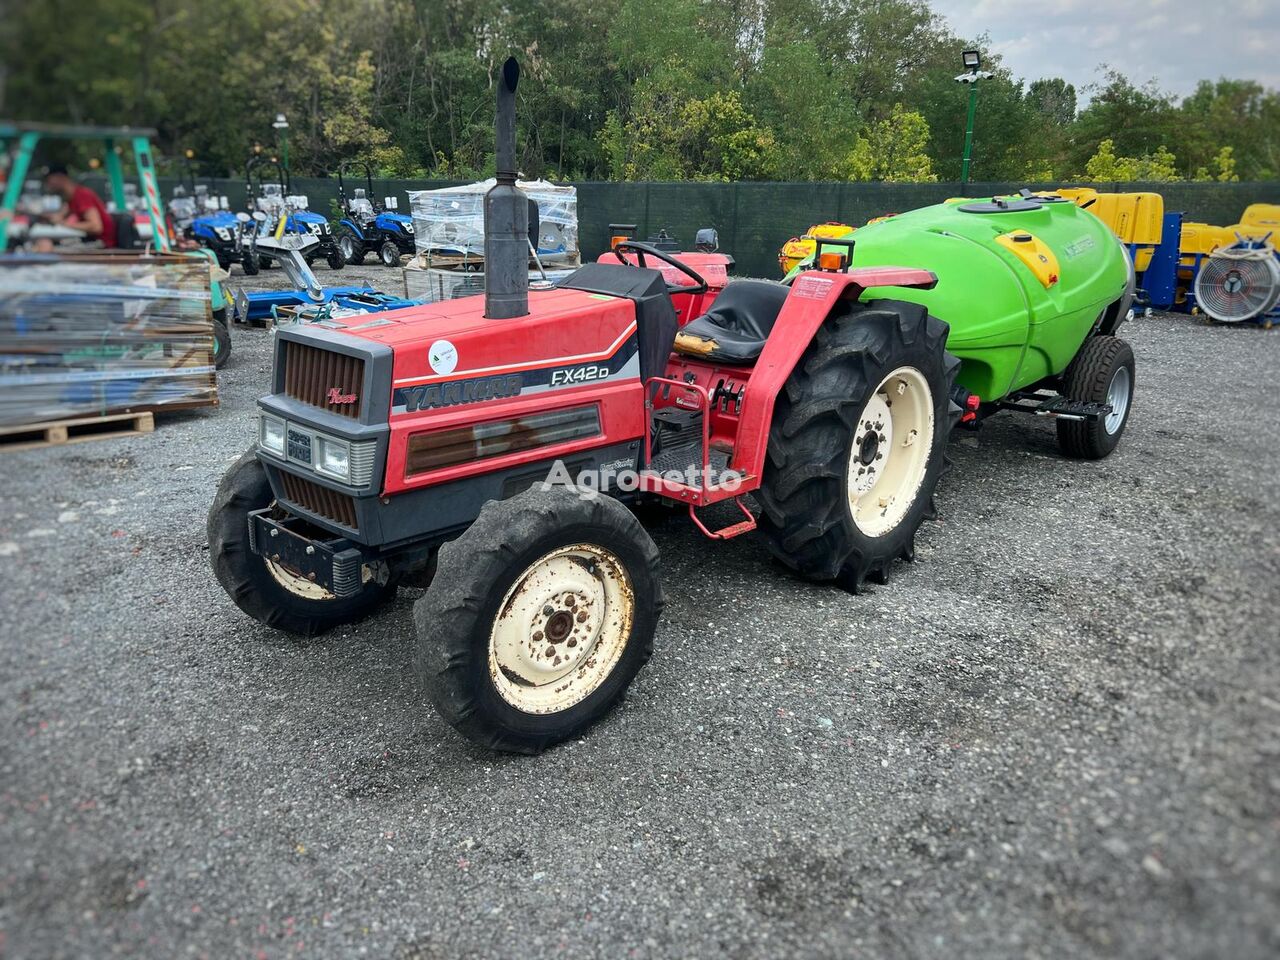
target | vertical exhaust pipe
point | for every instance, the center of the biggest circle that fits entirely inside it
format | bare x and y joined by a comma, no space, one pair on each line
506,215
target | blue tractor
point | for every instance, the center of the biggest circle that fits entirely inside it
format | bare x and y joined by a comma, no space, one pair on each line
206,219
275,200
366,228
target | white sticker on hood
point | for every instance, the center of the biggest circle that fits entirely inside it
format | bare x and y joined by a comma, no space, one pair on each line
443,357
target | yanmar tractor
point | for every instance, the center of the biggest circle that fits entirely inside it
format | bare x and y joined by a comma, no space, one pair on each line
416,445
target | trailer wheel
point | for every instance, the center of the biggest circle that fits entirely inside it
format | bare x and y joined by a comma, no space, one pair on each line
352,247
250,264
1102,372
538,618
334,257
221,340
858,443
389,254
266,591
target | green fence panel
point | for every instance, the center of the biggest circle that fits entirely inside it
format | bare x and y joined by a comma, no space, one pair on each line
755,219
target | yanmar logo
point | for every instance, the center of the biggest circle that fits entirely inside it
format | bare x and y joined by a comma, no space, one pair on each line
454,392
337,396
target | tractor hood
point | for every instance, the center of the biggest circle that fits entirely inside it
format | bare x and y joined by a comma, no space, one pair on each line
449,354
223,218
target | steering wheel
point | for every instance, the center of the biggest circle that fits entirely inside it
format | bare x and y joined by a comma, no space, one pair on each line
642,250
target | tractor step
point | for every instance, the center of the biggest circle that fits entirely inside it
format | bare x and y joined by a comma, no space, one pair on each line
1060,407
731,531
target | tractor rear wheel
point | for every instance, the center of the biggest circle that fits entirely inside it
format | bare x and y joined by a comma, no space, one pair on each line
267,591
221,340
538,618
858,443
389,254
352,247
1102,372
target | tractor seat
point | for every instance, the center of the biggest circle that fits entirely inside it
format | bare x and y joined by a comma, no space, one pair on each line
736,327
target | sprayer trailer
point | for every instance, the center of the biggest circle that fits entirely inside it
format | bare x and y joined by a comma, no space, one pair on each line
417,447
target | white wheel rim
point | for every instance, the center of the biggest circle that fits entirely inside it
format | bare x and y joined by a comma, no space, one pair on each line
561,629
890,452
295,584
1118,397
347,246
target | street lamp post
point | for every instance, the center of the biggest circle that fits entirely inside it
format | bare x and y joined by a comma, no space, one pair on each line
281,125
973,73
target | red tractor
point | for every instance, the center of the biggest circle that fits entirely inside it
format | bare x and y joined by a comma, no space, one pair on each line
416,446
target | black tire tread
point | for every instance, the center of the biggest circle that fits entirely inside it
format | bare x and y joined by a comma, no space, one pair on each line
221,344
449,614
802,497
244,576
1087,378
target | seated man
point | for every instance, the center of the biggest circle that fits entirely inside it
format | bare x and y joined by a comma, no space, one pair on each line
84,208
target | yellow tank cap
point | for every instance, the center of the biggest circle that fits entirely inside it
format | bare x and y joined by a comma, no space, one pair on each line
1040,260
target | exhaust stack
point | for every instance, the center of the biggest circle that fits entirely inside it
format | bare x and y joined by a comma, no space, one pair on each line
506,215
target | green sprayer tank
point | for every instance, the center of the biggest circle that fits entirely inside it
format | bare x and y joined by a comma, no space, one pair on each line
1021,282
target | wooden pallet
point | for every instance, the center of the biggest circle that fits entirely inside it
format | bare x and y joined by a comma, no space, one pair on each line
55,433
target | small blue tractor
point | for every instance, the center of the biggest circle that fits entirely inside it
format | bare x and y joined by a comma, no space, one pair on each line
205,218
367,228
276,201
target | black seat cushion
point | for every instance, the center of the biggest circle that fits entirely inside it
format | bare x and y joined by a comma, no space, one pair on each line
737,325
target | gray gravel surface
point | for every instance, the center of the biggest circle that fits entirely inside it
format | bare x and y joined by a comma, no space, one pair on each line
1057,734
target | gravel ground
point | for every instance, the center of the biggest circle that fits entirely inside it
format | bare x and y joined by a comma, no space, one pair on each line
1056,734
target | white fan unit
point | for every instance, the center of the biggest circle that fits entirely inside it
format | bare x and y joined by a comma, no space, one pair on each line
1238,284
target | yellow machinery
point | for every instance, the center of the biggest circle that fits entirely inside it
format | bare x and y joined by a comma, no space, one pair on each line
1136,218
798,249
1257,221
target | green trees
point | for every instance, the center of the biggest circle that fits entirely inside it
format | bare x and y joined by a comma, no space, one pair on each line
636,89
894,150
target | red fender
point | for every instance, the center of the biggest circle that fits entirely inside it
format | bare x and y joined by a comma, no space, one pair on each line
814,295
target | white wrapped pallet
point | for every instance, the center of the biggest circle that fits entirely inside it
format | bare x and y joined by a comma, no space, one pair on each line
450,221
91,335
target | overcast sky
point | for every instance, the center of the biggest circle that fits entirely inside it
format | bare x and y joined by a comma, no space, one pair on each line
1177,43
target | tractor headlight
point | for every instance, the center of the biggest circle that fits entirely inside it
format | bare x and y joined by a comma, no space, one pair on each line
271,433
222,232
408,228
333,457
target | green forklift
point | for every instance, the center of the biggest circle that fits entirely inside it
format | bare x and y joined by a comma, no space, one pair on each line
19,141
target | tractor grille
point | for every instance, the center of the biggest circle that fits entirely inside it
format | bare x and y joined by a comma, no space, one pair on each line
329,504
318,377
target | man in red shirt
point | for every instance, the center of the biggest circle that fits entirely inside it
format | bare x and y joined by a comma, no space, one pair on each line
85,209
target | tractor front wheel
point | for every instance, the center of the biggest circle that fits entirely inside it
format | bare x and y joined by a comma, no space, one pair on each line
265,590
858,443
1102,372
334,257
389,254
249,264
538,618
